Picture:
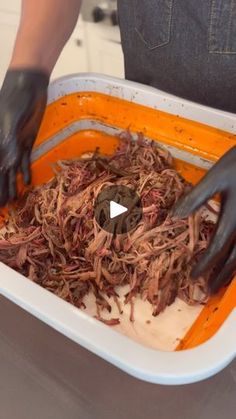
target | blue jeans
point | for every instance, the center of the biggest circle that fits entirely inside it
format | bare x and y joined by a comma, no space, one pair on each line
184,47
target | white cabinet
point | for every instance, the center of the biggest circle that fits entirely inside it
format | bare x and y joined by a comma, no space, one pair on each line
9,20
74,55
104,49
92,47
73,58
106,57
12,6
8,29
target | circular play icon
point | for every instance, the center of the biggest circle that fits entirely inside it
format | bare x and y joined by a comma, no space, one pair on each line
118,209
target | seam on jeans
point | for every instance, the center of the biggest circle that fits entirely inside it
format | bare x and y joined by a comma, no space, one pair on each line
210,31
223,52
210,24
229,27
168,31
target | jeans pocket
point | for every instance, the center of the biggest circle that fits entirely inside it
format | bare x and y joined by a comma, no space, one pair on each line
153,21
222,29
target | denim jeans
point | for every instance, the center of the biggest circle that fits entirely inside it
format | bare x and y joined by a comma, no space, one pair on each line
184,47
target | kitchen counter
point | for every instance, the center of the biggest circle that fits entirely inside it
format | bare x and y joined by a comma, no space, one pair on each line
57,379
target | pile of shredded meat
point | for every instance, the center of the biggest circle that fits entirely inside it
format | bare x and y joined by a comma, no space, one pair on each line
53,239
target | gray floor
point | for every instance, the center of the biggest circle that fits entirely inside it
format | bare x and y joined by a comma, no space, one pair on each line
44,375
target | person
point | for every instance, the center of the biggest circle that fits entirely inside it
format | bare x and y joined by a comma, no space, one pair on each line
183,47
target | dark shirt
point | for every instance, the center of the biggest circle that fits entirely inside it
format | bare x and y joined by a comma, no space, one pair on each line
184,47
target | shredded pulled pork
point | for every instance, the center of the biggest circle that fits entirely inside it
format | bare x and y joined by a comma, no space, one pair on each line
53,239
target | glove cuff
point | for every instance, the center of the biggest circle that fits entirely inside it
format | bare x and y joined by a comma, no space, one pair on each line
26,77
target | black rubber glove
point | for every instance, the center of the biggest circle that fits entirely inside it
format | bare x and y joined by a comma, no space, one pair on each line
221,252
23,99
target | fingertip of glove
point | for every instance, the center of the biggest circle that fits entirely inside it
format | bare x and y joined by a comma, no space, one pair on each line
4,192
26,170
3,199
195,273
12,195
27,178
180,209
214,287
179,212
220,281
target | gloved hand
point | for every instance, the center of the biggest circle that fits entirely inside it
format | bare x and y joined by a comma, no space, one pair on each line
221,252
23,99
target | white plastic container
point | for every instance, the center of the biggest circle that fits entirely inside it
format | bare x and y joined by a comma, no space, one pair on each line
148,364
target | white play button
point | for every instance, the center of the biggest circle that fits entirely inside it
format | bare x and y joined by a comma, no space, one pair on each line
116,209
